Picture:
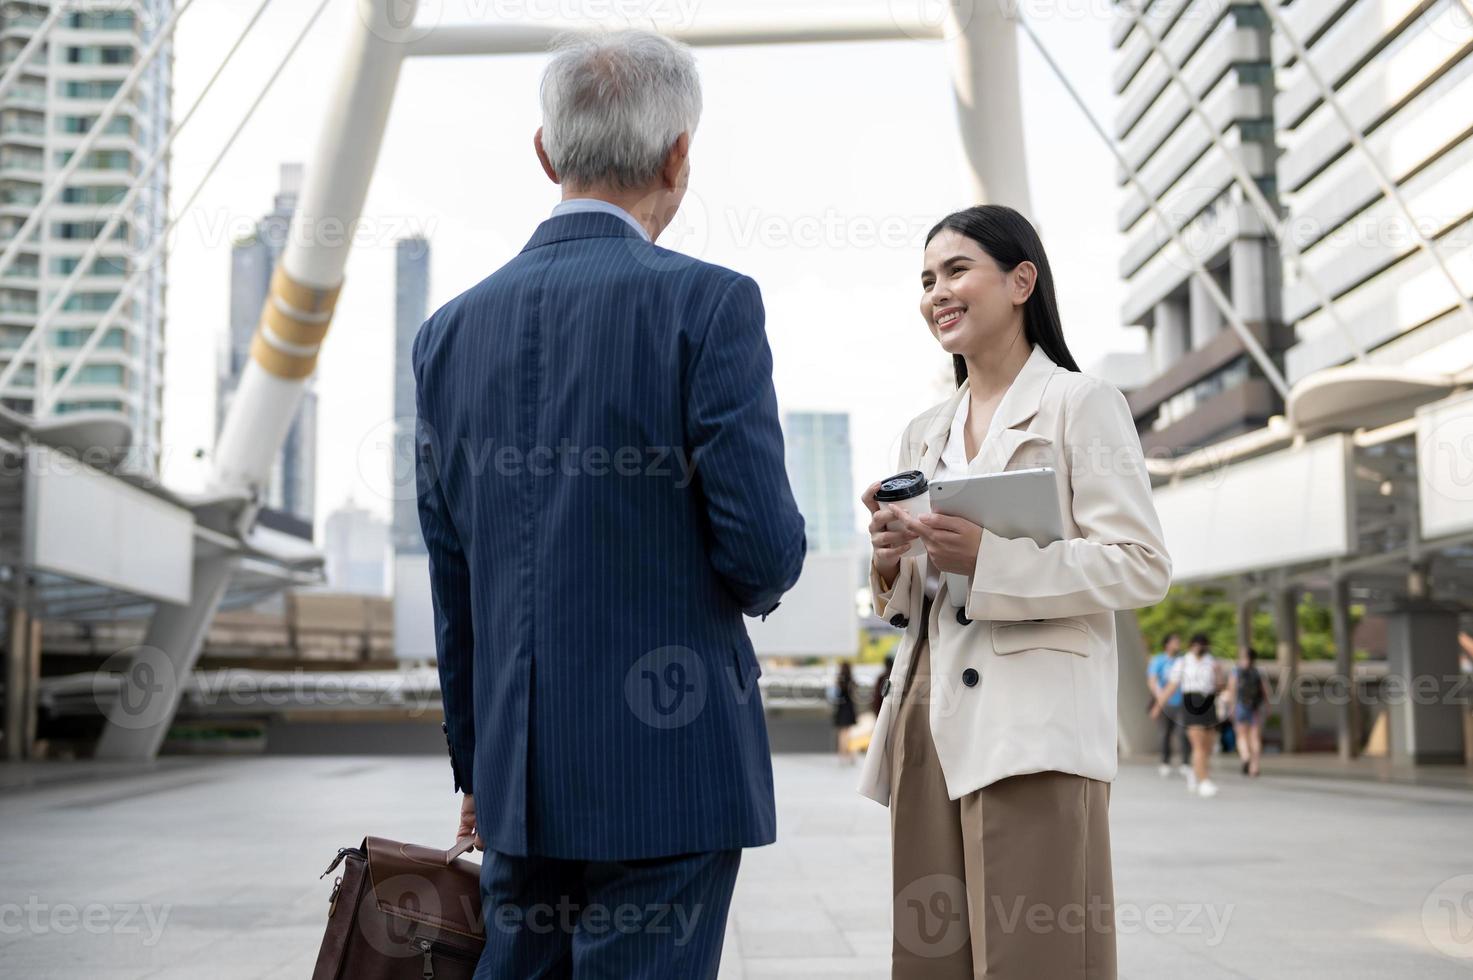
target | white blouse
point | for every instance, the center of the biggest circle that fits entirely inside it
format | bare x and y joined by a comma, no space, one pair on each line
1198,675
953,462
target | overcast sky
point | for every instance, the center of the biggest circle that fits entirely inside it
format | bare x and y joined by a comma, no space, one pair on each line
816,170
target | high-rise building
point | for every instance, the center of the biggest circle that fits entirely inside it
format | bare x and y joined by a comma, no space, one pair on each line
57,97
1205,386
411,306
1402,72
253,258
819,464
356,550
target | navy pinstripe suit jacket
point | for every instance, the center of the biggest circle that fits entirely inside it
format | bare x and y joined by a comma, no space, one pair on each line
602,494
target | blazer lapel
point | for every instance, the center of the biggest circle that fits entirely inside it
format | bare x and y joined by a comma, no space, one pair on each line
1019,404
1000,448
933,440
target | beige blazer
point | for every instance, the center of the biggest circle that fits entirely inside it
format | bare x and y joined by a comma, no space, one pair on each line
1029,684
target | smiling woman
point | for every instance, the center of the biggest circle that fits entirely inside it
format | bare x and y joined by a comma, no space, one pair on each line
991,258
995,745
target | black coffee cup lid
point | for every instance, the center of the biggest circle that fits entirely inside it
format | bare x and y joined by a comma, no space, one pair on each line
901,486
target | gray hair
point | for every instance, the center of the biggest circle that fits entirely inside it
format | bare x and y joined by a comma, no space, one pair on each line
613,105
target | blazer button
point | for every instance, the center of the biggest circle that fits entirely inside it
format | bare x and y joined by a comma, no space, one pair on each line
961,616
885,688
899,622
970,677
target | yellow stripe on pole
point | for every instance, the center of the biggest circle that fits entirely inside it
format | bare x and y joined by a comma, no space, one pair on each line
278,362
300,296
292,329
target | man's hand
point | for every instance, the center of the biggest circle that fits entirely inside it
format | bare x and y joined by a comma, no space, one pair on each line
468,821
951,543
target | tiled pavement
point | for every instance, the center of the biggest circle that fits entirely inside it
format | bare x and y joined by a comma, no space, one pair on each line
1284,877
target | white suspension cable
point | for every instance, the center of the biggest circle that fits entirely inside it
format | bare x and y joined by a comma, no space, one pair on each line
1250,187
95,248
125,89
1255,350
1357,140
100,328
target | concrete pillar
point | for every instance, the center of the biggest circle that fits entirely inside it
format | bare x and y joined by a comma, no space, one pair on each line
984,73
1286,627
1246,607
1249,278
153,680
1422,676
1138,733
1347,722
22,683
1206,319
1168,335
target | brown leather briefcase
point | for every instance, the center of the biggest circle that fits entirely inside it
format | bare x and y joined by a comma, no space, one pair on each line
400,911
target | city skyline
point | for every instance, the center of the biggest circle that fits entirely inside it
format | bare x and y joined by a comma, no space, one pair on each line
820,465
357,551
411,306
833,239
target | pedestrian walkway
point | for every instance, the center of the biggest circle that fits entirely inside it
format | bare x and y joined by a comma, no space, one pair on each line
208,868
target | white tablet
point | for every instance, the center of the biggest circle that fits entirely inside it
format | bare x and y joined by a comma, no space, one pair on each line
1011,504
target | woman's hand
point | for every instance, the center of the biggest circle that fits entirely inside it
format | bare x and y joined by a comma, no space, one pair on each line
951,542
889,546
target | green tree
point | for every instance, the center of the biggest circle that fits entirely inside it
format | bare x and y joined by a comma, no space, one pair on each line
1189,609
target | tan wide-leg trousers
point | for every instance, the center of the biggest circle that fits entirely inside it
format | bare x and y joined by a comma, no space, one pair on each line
1011,881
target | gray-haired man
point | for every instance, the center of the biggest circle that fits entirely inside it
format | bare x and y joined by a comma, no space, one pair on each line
600,692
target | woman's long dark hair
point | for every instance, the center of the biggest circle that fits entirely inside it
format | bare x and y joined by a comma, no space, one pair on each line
1009,239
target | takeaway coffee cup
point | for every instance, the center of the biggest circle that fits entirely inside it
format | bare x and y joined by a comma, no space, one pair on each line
910,492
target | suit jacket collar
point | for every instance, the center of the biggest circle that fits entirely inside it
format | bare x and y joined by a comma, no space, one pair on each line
581,224
1019,404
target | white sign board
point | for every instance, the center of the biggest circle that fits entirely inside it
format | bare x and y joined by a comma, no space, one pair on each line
85,524
818,617
414,610
1445,466
1292,506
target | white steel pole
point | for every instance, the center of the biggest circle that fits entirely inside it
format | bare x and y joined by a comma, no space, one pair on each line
305,287
484,39
984,72
294,321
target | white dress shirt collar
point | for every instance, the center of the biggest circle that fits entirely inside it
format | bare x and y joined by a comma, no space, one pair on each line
583,205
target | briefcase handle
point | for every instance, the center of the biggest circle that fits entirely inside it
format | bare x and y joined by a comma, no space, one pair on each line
461,846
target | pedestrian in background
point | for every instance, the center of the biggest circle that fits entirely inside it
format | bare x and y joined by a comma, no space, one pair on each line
1227,738
1246,693
1199,678
842,696
1171,727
